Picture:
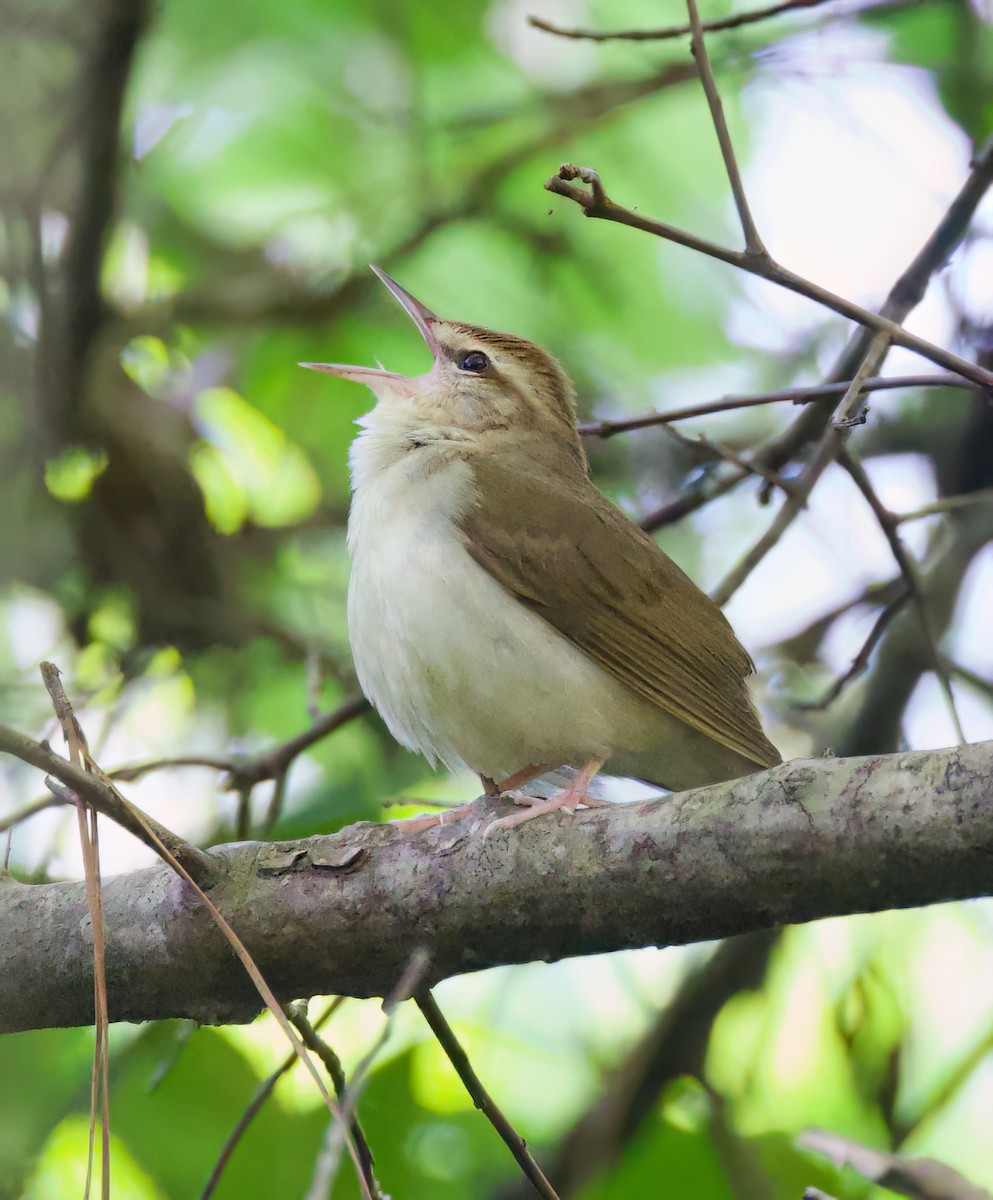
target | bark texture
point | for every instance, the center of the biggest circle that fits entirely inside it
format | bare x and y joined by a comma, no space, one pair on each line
342,914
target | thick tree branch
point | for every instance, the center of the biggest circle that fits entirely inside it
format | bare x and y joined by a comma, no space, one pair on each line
341,914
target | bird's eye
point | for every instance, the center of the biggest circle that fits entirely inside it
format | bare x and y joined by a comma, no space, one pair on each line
475,361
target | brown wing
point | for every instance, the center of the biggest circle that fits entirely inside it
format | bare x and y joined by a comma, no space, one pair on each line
577,561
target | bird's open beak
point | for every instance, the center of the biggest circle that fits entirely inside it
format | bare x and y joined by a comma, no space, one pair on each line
422,317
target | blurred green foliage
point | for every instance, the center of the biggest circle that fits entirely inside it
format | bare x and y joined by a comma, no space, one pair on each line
175,541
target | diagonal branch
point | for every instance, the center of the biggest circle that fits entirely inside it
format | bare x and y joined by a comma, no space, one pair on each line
563,184
341,914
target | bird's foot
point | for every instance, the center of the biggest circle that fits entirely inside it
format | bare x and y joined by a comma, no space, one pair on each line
567,800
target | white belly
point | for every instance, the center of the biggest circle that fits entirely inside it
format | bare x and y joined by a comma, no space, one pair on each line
456,666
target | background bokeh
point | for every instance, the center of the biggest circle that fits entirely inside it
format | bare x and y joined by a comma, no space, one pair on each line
192,194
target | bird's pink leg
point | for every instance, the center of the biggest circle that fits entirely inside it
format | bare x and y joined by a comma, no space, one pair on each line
568,800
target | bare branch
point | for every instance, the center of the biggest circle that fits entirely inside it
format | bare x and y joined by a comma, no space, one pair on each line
673,31
246,772
799,395
338,915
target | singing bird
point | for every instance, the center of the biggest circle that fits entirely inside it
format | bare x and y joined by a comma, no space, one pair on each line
503,614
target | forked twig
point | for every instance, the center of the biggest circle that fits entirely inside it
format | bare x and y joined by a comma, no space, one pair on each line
718,450
407,985
244,773
595,202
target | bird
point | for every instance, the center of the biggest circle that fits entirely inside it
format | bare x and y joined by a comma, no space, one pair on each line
503,614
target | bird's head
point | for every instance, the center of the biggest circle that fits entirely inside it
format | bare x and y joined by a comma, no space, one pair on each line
482,385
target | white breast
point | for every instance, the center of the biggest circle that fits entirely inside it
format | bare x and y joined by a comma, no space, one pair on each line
456,666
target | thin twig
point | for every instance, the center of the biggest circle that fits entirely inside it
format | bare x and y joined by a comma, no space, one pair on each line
798,395
944,505
480,1097
407,985
753,242
268,765
254,1106
673,31
853,408
332,1064
271,764
410,981
861,660
276,800
719,451
135,771
90,848
830,446
973,678
908,569
52,800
